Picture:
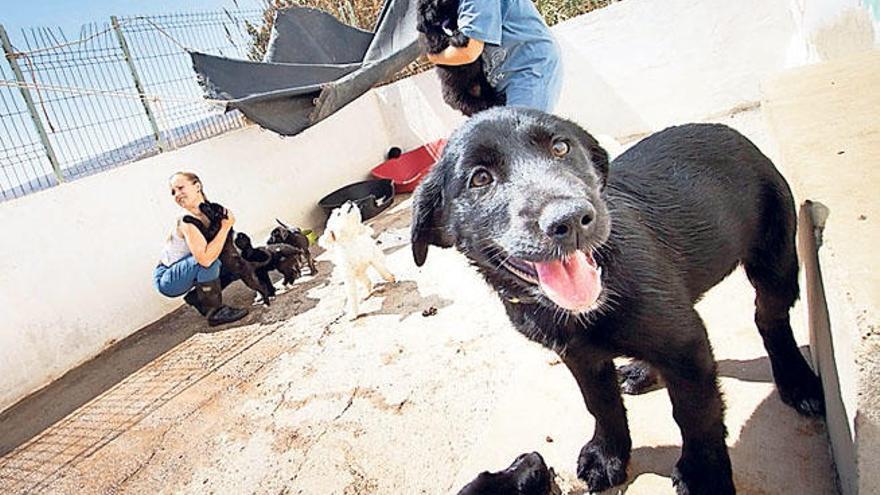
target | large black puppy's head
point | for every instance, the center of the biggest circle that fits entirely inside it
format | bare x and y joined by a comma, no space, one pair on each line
527,475
519,192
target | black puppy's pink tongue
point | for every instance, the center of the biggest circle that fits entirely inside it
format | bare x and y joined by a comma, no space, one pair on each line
573,283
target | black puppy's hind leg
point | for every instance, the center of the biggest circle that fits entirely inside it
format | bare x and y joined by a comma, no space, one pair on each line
313,270
249,277
772,268
603,460
638,377
691,380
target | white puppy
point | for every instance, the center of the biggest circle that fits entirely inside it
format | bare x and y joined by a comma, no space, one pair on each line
353,250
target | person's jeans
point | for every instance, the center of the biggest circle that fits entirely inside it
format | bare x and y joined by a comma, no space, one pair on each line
183,275
540,93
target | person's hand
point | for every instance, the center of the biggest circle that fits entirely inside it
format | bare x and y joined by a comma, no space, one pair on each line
458,55
229,221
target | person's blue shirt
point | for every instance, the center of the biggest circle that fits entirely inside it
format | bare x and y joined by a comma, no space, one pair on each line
520,55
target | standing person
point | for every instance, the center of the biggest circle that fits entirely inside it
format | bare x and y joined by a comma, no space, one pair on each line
520,56
188,263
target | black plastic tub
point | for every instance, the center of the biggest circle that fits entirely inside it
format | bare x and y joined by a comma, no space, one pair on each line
371,196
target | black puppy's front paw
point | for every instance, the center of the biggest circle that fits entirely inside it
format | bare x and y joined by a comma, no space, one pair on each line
599,468
805,396
703,476
193,220
637,378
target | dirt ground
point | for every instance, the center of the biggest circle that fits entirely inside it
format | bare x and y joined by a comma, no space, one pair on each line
297,399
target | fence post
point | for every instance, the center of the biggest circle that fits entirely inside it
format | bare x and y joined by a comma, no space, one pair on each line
12,57
137,82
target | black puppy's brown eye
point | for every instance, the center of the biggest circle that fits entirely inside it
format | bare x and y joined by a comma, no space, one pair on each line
559,148
481,178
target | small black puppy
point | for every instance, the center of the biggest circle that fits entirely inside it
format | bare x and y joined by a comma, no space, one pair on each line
598,261
465,87
527,475
281,257
234,266
293,236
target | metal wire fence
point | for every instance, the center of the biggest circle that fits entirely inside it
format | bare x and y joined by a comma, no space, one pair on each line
122,91
23,161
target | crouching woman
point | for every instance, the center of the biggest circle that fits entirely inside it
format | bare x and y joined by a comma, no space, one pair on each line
188,263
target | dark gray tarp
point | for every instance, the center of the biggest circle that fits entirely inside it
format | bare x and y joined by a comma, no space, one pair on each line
314,66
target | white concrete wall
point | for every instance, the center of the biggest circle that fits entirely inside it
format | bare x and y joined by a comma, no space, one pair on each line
414,112
831,29
642,65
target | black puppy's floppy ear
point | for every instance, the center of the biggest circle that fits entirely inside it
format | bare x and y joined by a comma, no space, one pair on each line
597,155
429,215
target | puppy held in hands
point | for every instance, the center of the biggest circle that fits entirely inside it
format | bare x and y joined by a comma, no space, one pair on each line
465,87
353,250
234,266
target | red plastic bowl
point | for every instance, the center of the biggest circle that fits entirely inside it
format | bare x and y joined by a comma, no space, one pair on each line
407,170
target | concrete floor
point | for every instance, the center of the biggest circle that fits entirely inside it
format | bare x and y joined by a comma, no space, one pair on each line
296,399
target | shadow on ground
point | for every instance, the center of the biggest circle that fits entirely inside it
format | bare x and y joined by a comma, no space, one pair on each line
774,474
403,298
758,443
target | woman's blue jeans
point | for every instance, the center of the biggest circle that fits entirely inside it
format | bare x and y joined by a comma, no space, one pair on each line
177,279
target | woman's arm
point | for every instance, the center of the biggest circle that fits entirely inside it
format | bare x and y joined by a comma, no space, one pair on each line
205,252
454,55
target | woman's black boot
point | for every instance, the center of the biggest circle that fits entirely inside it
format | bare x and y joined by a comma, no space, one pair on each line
211,299
192,298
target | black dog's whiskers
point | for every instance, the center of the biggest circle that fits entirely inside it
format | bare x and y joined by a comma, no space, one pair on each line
497,257
560,315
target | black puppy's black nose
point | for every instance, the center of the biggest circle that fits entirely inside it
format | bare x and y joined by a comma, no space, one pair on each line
562,220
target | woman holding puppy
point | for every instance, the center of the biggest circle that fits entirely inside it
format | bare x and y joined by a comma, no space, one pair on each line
521,58
188,263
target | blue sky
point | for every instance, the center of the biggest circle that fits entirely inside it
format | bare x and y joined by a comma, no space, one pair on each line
71,14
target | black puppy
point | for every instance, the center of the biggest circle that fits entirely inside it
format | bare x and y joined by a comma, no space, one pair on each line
597,262
293,236
465,87
233,265
281,257
527,475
